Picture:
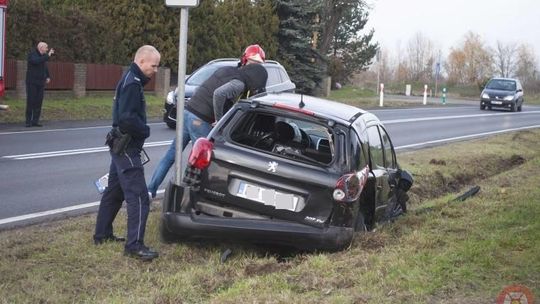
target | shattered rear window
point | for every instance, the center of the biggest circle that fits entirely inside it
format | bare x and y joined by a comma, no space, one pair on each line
287,137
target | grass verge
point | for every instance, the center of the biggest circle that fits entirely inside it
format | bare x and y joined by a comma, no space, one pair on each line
440,252
87,108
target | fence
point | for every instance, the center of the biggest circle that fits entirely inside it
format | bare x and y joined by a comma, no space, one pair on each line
79,78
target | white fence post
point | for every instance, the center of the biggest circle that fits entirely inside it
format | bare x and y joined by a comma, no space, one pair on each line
381,95
425,94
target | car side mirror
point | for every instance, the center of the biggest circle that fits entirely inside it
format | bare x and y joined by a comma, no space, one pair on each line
519,90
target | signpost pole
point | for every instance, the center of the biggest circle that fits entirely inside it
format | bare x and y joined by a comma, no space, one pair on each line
182,55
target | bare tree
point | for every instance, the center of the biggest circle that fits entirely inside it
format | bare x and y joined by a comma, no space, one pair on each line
526,65
505,59
385,66
420,58
455,66
471,63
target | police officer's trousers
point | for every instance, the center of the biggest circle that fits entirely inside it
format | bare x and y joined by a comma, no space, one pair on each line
126,182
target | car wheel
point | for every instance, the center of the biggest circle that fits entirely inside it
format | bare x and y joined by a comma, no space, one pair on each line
513,107
482,106
360,224
519,108
171,124
489,108
165,235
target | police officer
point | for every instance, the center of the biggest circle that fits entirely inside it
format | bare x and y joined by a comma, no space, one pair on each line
37,75
126,173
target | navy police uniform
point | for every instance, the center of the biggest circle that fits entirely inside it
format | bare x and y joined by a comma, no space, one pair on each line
126,173
36,75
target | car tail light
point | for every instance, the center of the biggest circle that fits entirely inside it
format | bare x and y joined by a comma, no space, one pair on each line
201,153
294,109
349,186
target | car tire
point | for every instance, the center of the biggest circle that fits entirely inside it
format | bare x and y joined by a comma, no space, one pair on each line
165,235
482,106
360,223
171,124
513,107
519,108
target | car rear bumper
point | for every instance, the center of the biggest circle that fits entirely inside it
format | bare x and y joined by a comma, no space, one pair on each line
260,231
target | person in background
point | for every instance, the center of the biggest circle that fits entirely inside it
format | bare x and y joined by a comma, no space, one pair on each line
126,173
37,75
211,100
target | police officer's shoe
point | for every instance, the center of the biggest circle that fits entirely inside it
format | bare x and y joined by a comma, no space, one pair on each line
143,253
112,238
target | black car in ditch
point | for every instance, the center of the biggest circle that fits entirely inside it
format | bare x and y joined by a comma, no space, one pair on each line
278,81
502,93
290,170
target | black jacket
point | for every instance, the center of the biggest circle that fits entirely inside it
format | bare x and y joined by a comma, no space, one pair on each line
37,71
129,107
253,76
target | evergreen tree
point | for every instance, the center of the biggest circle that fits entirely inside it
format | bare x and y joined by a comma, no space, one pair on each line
296,52
111,31
350,51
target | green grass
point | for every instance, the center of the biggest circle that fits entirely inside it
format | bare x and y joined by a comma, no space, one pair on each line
87,108
440,252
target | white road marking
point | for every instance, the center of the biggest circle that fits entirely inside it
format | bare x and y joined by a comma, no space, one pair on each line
66,129
78,151
30,216
395,121
464,137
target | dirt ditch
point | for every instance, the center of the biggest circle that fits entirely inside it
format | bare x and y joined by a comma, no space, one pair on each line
443,179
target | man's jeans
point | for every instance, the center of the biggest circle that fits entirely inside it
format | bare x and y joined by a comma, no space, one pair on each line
194,128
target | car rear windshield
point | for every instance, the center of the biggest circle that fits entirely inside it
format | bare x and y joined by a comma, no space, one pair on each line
287,137
501,84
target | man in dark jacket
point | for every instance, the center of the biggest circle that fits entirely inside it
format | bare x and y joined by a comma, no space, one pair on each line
37,75
208,104
126,173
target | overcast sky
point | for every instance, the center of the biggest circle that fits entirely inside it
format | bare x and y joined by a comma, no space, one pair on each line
445,23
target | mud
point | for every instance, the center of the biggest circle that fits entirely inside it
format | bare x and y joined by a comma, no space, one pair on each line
473,171
267,268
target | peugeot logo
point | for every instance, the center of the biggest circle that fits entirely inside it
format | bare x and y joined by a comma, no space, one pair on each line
272,166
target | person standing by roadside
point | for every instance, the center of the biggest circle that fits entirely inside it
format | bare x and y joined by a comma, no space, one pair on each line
37,75
212,100
126,173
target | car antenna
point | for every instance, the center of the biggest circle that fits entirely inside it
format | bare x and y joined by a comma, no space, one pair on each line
301,104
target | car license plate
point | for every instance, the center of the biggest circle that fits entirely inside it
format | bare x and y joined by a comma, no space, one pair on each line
496,102
269,197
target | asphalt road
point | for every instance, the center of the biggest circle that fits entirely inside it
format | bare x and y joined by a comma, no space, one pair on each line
49,172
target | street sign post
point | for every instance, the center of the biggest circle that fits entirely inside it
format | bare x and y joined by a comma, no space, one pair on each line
182,3
182,54
3,9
